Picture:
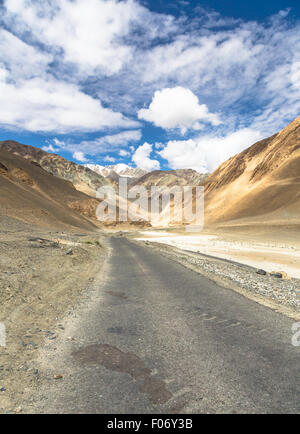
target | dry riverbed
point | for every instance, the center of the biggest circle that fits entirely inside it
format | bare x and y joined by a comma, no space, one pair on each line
43,275
256,251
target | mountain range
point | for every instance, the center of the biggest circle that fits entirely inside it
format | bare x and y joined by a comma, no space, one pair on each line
260,185
120,169
83,179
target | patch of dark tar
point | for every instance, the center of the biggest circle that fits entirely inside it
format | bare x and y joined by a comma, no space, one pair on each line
116,360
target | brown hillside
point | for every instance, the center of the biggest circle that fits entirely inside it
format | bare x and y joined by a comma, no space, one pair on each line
81,177
261,184
31,194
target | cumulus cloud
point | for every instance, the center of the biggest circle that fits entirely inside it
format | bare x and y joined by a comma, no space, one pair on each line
93,38
66,68
243,72
206,153
184,154
142,159
49,105
85,34
177,107
79,156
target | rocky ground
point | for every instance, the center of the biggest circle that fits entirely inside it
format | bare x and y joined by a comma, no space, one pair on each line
43,275
278,293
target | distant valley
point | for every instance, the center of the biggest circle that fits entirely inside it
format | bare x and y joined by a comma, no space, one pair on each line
259,185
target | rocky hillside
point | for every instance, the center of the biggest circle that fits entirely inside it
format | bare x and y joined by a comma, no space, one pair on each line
261,184
83,179
31,194
170,178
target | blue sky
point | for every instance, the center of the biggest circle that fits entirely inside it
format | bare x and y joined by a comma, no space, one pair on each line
154,84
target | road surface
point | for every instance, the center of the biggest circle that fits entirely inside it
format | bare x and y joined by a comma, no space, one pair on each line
160,338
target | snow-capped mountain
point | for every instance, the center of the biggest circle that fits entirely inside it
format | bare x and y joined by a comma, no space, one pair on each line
120,168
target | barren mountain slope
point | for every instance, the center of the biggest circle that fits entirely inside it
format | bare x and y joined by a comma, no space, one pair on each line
170,178
259,185
82,178
31,194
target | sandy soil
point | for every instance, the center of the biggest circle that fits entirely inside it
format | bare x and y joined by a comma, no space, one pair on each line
280,255
43,275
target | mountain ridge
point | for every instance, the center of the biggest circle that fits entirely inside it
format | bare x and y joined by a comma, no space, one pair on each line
83,179
120,169
170,178
31,194
263,180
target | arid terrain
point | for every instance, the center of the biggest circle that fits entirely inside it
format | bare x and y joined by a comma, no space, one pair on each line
50,252
149,210
259,186
33,195
43,275
82,178
61,289
252,207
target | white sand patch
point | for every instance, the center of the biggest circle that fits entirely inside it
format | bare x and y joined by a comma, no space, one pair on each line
155,233
270,257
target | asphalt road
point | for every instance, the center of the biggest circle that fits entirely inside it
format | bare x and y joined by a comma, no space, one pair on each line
159,338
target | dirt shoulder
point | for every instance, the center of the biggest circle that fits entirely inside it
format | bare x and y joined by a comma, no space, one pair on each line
279,294
43,275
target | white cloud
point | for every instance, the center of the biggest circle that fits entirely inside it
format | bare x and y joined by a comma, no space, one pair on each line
57,56
108,143
295,75
142,159
177,107
215,57
59,143
234,71
23,60
50,148
79,156
109,159
49,105
120,139
90,36
124,153
184,154
34,99
206,153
